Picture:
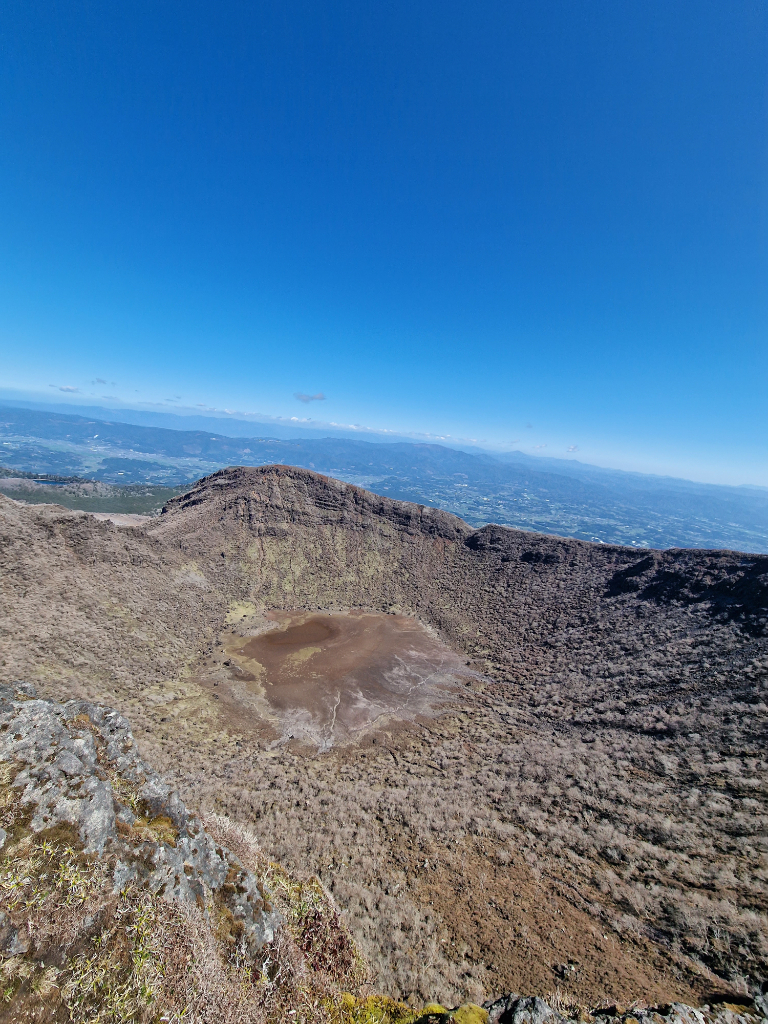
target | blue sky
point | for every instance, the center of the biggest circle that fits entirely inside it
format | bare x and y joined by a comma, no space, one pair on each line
537,225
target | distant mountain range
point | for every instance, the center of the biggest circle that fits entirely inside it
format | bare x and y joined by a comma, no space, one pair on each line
551,496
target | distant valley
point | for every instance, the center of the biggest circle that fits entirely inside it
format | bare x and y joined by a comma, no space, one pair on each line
137,468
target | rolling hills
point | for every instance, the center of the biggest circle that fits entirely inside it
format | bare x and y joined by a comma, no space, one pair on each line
554,496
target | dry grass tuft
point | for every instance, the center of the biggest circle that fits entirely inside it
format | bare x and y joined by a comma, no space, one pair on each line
156,830
111,958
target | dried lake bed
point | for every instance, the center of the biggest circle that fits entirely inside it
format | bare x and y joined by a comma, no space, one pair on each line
328,678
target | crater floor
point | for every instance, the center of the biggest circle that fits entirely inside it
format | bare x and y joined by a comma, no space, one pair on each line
327,678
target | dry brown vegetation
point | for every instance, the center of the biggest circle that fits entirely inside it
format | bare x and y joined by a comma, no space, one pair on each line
81,951
592,815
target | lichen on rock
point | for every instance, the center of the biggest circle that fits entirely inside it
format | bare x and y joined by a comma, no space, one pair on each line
77,764
516,1009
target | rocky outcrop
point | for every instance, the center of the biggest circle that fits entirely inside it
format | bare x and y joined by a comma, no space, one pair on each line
76,765
515,1009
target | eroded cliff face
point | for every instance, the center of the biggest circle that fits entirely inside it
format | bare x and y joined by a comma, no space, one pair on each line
518,604
608,761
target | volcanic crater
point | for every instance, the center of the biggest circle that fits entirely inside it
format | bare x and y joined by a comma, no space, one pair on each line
592,809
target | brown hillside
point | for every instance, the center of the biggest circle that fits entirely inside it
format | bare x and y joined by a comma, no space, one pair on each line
588,810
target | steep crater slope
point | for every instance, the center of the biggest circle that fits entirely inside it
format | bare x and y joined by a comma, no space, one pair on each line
298,539
117,903
606,767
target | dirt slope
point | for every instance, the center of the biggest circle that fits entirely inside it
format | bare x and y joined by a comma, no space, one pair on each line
591,815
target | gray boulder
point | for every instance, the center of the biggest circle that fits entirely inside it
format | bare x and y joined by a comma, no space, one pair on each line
515,1009
76,764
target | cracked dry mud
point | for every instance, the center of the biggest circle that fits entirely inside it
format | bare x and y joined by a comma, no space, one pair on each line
586,809
330,678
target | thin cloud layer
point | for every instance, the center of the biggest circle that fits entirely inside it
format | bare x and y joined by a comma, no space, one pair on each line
319,397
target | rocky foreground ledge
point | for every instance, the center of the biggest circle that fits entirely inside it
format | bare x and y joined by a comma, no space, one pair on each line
118,904
76,765
514,1009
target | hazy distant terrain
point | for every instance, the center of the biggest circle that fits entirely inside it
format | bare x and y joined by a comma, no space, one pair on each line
551,496
86,495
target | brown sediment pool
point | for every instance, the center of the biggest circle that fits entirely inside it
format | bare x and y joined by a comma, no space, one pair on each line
326,678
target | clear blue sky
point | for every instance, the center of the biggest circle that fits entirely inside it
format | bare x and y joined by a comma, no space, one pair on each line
533,224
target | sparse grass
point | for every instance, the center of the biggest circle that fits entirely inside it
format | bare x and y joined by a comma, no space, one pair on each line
133,958
314,923
117,980
158,829
565,1003
614,771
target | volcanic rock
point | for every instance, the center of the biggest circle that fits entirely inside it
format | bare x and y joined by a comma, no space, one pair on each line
77,764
